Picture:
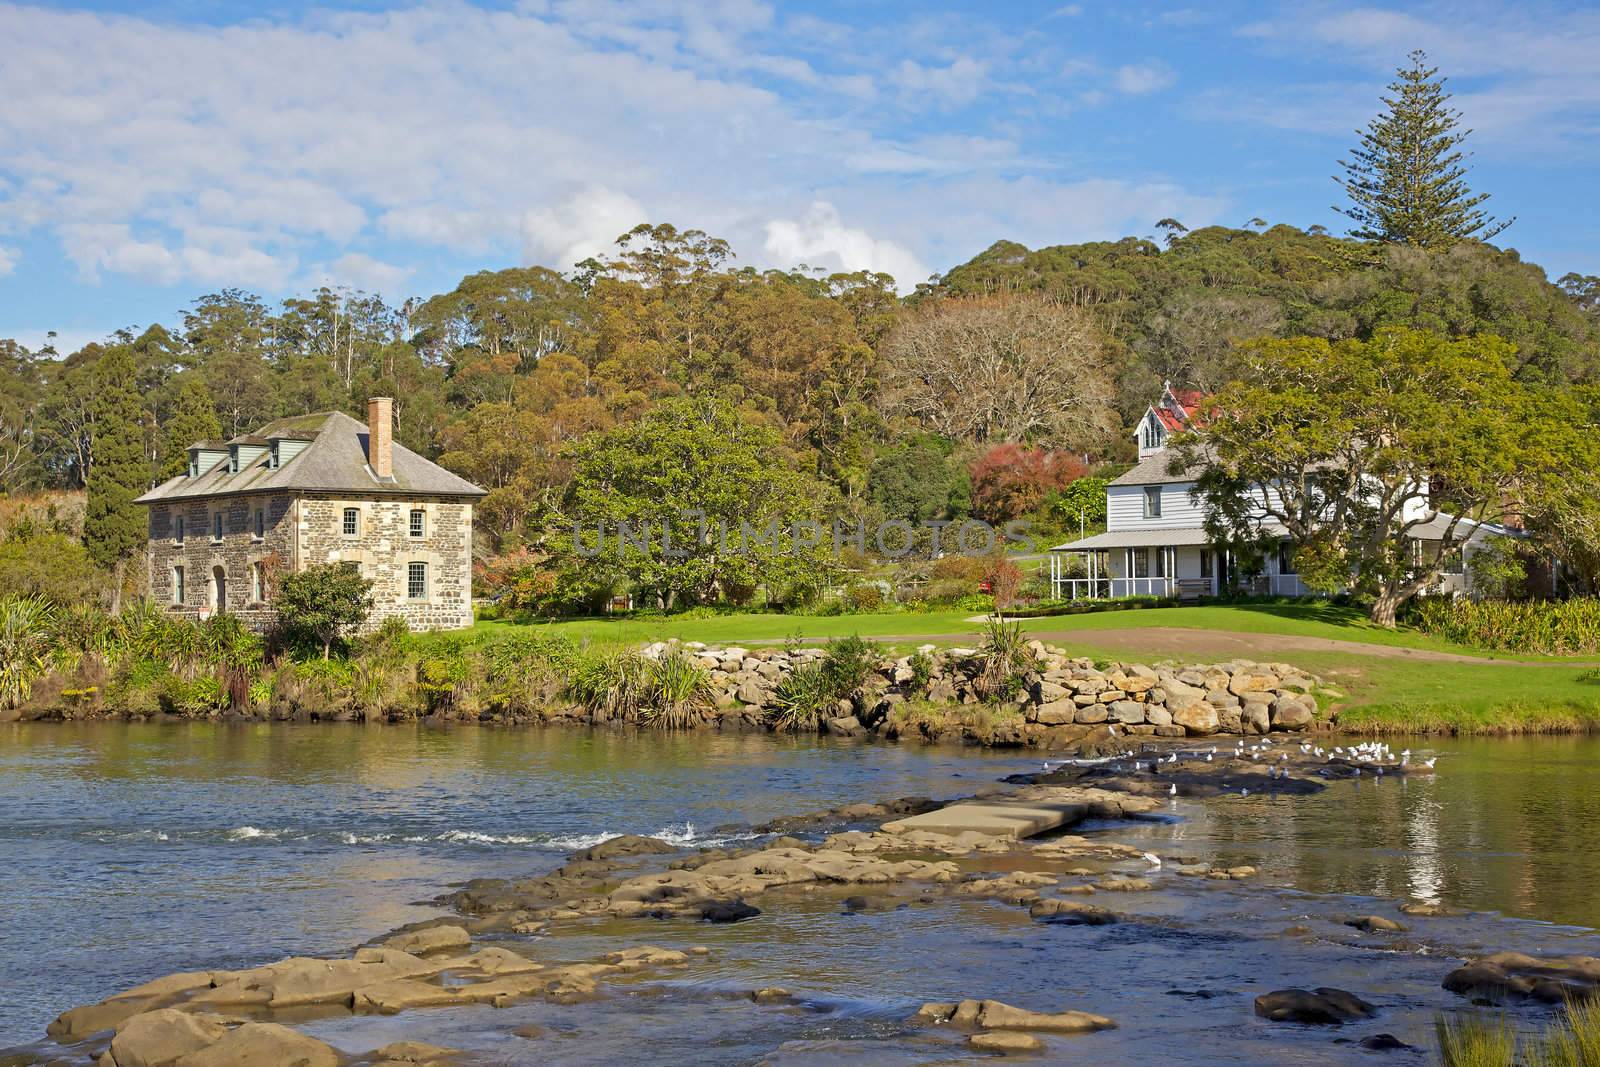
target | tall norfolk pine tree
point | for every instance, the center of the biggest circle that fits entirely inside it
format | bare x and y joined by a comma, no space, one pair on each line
113,525
1405,179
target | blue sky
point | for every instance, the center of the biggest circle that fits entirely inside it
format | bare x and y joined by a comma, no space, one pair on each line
150,153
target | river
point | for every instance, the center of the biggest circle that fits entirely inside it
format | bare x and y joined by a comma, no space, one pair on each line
132,851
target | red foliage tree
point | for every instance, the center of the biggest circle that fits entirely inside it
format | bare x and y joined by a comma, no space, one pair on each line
1012,479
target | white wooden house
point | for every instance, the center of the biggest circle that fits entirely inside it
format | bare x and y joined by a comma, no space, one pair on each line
1155,543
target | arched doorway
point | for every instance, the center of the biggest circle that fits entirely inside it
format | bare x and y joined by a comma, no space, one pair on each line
219,590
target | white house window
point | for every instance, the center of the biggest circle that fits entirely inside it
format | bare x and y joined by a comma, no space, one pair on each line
1141,563
419,522
177,530
1286,557
216,526
1205,563
261,524
177,585
352,521
1152,501
258,583
417,581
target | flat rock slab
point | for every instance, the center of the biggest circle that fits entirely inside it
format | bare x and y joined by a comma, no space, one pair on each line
998,818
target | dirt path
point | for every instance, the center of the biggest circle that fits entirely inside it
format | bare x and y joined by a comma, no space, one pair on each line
1181,641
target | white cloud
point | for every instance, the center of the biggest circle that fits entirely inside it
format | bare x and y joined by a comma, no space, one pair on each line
1149,77
819,238
8,260
583,224
361,271
283,151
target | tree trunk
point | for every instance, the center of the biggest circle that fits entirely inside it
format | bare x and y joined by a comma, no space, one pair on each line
325,646
1384,608
116,588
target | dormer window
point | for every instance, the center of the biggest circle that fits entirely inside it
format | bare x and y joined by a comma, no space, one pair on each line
272,461
233,460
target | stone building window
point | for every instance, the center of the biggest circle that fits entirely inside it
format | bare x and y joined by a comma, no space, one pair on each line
419,522
177,530
261,524
417,581
352,521
258,583
177,584
216,526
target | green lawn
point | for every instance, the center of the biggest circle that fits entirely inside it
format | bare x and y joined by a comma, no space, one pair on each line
1314,619
1381,692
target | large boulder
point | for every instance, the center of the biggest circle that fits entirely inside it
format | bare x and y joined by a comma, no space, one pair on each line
995,1015
1127,712
1093,714
1289,713
1512,976
1322,1006
625,845
157,1038
263,1045
1055,713
1198,718
1244,682
430,939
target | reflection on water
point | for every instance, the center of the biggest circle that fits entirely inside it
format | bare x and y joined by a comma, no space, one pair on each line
1511,825
134,851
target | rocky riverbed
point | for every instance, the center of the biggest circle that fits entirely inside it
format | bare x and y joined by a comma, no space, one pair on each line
636,917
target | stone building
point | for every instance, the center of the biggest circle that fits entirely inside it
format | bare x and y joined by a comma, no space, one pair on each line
320,488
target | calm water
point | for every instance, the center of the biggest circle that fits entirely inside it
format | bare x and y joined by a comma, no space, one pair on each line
128,852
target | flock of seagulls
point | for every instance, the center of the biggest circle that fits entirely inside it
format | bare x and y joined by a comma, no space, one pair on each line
1374,756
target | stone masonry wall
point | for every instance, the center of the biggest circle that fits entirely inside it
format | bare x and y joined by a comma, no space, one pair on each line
384,549
201,554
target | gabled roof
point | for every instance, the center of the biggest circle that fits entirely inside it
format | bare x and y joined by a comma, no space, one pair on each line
1154,470
335,460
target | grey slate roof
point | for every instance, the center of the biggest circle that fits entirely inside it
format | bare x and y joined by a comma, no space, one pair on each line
1152,470
334,461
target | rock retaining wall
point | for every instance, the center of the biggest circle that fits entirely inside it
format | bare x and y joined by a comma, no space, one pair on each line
1056,694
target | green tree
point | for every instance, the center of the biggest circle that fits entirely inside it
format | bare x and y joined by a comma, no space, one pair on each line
689,480
50,565
323,603
1405,179
1381,455
114,526
193,418
916,480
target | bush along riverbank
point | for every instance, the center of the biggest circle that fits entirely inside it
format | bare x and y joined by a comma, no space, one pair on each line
1004,691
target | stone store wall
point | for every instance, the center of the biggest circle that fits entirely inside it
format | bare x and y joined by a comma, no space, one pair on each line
384,549
200,554
1060,699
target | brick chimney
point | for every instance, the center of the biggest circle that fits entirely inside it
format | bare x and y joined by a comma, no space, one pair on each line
380,436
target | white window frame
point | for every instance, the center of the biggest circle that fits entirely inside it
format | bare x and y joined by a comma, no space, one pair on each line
178,589
1152,501
417,523
410,570
345,524
258,583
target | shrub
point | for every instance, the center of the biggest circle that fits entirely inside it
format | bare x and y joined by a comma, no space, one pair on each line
862,598
811,692
323,602
610,685
1012,479
677,690
523,672
1534,627
1002,658
27,646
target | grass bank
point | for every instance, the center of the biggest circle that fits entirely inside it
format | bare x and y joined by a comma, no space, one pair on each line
1392,681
